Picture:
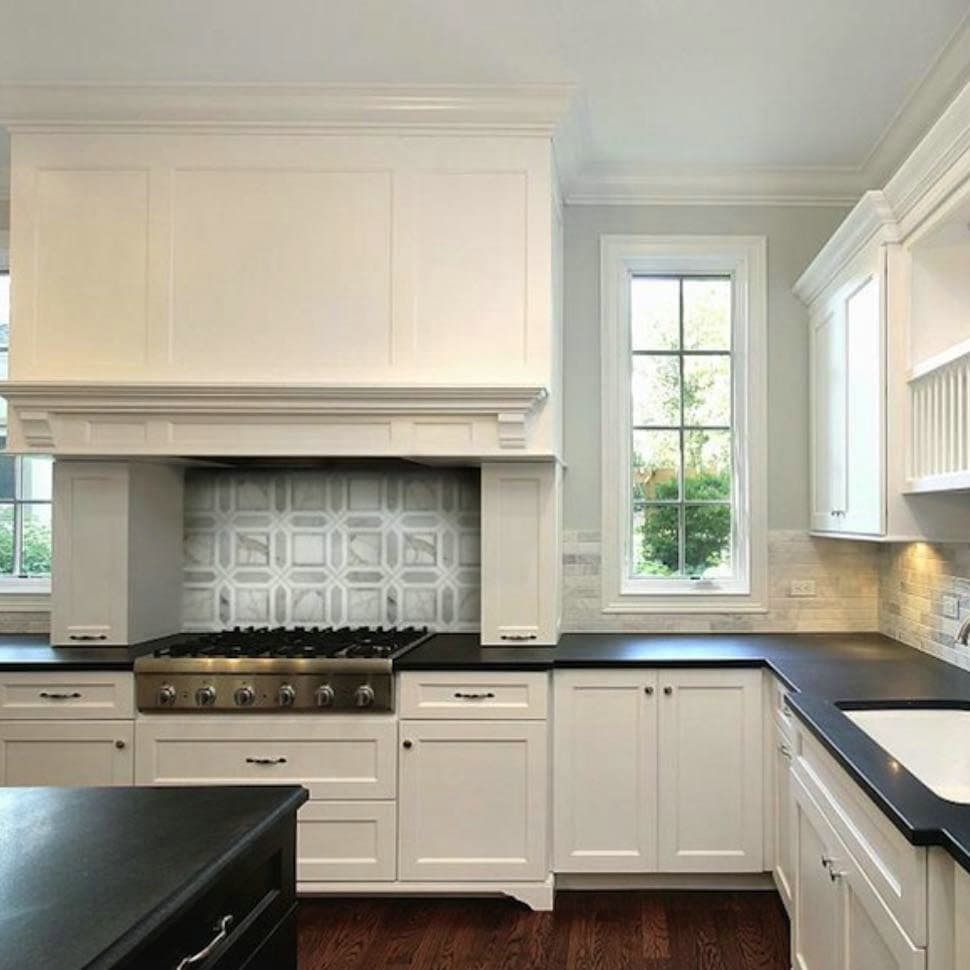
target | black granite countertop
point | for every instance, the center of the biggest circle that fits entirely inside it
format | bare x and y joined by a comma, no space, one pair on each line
824,671
88,874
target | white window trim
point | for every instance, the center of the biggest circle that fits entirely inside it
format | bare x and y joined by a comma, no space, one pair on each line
744,257
17,595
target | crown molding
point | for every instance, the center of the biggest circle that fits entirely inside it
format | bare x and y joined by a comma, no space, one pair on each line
938,164
628,185
535,109
872,218
937,88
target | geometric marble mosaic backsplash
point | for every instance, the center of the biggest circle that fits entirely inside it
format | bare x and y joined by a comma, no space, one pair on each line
335,546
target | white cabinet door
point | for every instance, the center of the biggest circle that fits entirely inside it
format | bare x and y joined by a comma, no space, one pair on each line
817,917
66,753
711,778
840,921
605,771
90,595
784,847
865,474
473,800
521,553
828,363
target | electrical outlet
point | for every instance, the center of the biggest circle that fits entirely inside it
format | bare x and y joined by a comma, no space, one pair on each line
951,607
802,587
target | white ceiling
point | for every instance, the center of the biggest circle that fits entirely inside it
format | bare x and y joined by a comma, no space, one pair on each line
665,85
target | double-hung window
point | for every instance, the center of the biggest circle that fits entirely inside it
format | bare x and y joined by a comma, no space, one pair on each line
683,357
25,498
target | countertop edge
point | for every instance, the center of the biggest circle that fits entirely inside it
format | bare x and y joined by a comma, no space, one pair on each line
195,885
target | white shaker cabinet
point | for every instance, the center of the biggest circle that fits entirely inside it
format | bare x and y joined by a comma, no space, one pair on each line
840,922
783,863
521,558
605,771
62,752
472,800
117,552
659,771
848,408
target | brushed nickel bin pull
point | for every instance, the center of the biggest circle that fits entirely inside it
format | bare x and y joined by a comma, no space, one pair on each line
222,929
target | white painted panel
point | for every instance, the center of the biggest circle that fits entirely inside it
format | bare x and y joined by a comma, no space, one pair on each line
711,779
260,254
605,771
471,270
473,800
353,841
828,420
87,311
66,752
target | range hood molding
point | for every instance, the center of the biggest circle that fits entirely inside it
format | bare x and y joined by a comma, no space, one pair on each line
80,418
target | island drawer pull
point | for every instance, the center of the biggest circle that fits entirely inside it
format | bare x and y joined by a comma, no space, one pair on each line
517,636
87,637
481,696
266,761
54,696
222,929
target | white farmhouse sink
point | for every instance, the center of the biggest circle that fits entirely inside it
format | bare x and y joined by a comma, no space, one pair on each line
932,744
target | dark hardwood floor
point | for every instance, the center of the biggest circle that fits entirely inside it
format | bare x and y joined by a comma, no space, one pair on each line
587,931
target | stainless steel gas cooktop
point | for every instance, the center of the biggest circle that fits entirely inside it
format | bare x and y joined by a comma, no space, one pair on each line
285,669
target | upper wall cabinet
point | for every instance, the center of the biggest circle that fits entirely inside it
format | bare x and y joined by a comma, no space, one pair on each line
247,257
890,352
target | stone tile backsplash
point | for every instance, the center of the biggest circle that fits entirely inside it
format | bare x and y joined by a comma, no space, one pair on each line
846,576
919,584
332,547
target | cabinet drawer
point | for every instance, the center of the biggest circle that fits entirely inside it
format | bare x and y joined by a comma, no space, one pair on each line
346,842
475,696
84,694
896,869
333,757
779,703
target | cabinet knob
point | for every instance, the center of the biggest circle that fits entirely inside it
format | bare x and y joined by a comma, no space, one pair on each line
648,691
120,745
668,691
407,744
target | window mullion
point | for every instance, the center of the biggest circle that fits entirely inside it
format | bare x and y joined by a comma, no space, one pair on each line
682,511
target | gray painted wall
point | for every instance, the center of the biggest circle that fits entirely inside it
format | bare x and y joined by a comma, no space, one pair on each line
795,235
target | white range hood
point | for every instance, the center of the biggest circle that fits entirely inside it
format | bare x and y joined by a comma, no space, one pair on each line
206,271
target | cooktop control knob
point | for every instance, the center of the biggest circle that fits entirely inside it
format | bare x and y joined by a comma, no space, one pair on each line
364,696
166,695
286,695
205,696
325,696
244,696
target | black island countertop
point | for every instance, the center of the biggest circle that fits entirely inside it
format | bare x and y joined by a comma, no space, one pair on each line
88,875
824,671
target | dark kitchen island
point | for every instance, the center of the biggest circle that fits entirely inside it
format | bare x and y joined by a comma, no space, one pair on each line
147,877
